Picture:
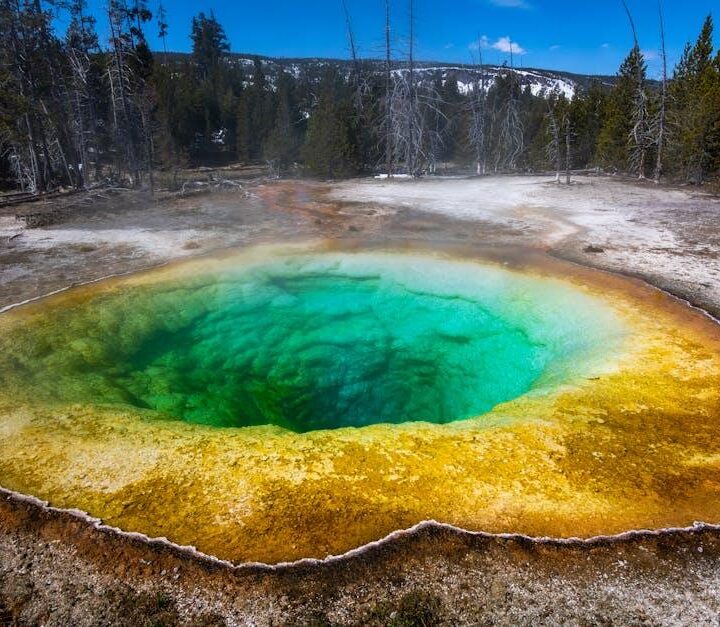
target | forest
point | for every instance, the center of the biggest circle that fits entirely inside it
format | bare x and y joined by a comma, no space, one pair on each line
76,111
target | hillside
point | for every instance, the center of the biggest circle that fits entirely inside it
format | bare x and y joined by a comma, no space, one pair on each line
539,80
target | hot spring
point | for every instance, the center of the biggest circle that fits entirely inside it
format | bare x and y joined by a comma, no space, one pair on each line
319,342
293,401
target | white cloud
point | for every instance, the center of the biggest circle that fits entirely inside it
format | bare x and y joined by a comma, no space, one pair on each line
650,55
555,47
504,44
606,46
513,4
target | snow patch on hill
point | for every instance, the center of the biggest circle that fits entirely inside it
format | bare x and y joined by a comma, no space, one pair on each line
540,82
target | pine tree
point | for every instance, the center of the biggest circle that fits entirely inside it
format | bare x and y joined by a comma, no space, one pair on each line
130,66
617,134
71,113
330,148
162,28
209,44
587,110
255,116
695,114
282,145
448,122
38,129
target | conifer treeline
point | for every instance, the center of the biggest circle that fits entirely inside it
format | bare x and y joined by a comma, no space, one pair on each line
73,111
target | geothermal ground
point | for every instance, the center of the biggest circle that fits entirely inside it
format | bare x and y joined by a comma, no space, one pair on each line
57,568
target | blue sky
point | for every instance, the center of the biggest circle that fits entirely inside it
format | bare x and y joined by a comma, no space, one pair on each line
575,35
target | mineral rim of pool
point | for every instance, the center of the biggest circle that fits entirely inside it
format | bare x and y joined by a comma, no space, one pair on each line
298,401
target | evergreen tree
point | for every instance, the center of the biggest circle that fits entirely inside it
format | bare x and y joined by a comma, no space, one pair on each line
695,113
36,124
255,116
282,145
162,27
533,111
587,111
615,138
209,44
71,113
330,148
447,121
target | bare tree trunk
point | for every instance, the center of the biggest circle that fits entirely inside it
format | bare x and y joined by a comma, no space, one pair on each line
47,164
477,132
119,69
411,152
483,122
38,182
558,155
82,106
351,36
162,23
512,128
146,115
82,143
662,114
26,84
632,23
568,150
553,148
640,114
63,159
388,90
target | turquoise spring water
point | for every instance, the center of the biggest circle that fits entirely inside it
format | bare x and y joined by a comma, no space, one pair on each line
322,341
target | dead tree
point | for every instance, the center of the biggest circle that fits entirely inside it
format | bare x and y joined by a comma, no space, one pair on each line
26,143
568,147
388,122
131,97
399,120
416,125
478,110
404,115
81,43
163,29
640,131
40,146
561,135
436,142
659,125
56,105
351,37
359,78
511,138
363,97
413,143
553,148
119,83
432,125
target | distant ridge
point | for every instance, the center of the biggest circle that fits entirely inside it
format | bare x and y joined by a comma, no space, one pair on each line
539,80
